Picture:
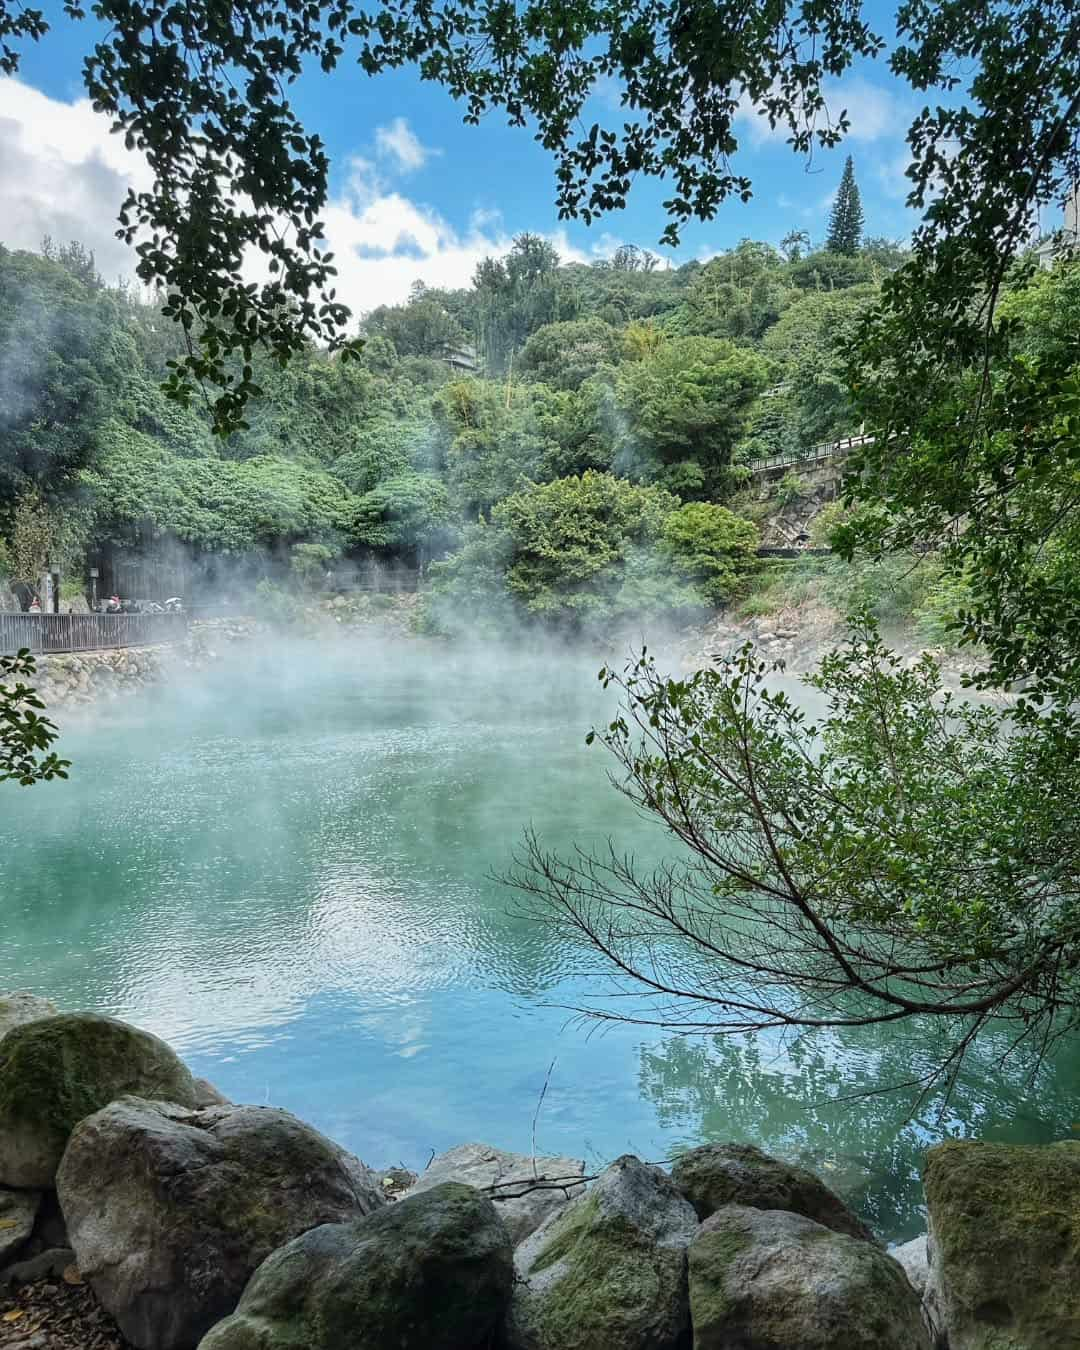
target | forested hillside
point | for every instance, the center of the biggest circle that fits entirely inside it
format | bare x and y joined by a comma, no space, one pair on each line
568,439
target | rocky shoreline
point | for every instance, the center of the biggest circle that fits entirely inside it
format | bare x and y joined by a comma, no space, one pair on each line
798,636
139,1206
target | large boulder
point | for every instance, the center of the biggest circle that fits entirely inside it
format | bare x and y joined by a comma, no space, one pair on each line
432,1272
170,1211
739,1174
18,1213
1004,1244
526,1191
56,1071
20,1007
609,1270
767,1280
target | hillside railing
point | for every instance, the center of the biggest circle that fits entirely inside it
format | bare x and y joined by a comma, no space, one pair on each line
815,455
46,633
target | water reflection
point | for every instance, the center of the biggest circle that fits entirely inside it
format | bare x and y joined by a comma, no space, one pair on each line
805,1098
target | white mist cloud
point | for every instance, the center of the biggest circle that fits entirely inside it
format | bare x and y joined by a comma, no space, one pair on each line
399,143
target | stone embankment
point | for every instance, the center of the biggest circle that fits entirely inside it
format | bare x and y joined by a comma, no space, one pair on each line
154,1214
73,678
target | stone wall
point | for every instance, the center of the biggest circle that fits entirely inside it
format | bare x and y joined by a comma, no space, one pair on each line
69,679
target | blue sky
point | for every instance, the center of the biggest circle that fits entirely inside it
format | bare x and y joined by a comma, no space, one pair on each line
417,194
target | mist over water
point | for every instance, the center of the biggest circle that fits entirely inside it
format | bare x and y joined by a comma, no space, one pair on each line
283,867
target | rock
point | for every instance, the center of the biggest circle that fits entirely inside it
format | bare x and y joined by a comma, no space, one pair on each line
609,1270
914,1258
739,1174
395,1182
170,1210
764,1279
481,1166
48,1263
56,1071
18,1212
432,1272
21,1007
206,1094
1004,1239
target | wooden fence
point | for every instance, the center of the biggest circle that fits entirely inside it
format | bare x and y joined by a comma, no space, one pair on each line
44,633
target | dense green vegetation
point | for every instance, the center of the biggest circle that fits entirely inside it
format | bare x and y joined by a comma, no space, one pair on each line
575,476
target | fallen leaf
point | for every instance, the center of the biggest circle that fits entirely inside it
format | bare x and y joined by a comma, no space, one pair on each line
9,1223
13,1315
72,1275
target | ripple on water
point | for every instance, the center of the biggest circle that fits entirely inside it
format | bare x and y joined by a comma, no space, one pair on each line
294,886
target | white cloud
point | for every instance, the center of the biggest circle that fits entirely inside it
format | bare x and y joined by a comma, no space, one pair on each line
63,173
873,111
384,241
398,142
891,174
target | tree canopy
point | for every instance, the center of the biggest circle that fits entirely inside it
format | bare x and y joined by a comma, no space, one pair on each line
205,97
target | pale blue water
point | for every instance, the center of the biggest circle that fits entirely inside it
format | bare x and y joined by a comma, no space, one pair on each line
285,871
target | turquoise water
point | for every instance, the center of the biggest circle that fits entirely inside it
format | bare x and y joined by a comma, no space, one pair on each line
285,870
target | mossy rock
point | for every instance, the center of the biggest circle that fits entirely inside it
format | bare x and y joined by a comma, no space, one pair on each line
1005,1244
716,1175
171,1211
769,1280
432,1272
59,1070
610,1270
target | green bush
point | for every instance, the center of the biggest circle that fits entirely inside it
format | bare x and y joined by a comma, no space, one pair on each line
936,615
711,546
582,553
277,606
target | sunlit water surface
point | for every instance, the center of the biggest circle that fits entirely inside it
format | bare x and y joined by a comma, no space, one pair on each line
286,870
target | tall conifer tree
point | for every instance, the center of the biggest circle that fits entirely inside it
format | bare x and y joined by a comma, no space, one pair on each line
846,221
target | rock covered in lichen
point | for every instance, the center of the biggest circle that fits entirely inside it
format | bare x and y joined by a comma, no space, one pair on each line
20,1007
432,1272
525,1190
609,1270
739,1174
56,1071
769,1280
1005,1244
170,1211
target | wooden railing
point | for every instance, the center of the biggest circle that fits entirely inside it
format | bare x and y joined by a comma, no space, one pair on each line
43,633
815,455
